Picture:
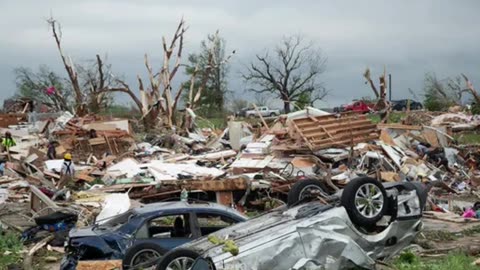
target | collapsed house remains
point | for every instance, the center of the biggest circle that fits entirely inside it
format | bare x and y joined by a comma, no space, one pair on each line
241,167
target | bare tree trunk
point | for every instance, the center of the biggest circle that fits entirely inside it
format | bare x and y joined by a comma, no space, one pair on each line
286,106
367,76
69,67
471,89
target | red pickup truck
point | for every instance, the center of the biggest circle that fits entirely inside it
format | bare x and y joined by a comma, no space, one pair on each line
358,107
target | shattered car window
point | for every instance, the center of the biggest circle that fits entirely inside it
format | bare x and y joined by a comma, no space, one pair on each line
211,222
119,219
208,220
166,227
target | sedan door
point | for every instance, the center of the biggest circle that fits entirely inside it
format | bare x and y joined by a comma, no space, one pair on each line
167,231
208,222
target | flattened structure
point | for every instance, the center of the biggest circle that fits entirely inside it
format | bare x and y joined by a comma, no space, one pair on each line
335,130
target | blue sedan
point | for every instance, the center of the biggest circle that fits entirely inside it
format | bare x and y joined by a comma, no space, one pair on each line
142,235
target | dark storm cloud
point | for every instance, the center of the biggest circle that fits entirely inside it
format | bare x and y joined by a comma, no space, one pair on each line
408,37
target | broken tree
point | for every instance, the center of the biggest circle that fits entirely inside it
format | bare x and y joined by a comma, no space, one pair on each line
382,104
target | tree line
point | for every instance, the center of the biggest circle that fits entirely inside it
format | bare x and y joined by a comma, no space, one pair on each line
290,71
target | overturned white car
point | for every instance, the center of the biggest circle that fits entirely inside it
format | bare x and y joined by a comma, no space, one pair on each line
365,222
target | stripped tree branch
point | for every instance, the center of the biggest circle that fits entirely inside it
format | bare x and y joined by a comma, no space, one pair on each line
471,89
68,66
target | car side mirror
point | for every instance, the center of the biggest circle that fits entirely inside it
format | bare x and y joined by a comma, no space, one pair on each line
201,264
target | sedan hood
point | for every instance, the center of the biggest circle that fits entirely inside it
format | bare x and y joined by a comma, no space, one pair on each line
83,232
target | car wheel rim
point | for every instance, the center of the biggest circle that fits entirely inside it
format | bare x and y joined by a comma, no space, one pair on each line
369,200
181,263
144,256
309,191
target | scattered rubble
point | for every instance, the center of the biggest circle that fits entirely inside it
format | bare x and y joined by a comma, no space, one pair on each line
243,166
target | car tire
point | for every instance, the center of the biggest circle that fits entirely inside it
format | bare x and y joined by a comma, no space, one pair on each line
298,191
136,250
357,191
177,254
273,114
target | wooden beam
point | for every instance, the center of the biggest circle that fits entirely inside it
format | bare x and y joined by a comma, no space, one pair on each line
224,197
39,201
398,126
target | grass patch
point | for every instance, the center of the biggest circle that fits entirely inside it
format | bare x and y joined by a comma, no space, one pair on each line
394,117
120,111
10,250
453,261
468,138
440,236
213,123
252,214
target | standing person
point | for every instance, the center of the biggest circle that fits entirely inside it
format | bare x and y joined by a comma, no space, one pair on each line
67,172
32,116
8,141
51,151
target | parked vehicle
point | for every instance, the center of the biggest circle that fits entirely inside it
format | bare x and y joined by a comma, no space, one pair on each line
264,111
365,222
339,109
402,105
242,112
359,106
141,235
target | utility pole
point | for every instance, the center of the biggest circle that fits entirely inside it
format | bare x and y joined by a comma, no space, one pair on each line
389,87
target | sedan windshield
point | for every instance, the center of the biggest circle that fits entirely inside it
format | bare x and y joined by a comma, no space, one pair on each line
117,220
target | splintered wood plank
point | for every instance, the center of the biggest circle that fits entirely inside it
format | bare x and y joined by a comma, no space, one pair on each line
399,126
340,131
344,143
97,141
100,265
431,137
224,197
327,131
386,138
329,120
355,134
341,125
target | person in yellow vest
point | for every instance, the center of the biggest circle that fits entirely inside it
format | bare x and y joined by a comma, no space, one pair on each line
68,171
8,141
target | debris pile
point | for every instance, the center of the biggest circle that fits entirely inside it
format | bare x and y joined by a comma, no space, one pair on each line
82,170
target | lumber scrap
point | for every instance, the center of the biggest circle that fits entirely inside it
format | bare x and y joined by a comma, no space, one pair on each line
399,126
100,265
39,201
331,130
27,262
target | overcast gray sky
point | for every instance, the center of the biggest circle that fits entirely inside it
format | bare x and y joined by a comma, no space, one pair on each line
409,37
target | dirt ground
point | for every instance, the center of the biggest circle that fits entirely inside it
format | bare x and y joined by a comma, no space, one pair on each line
440,237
